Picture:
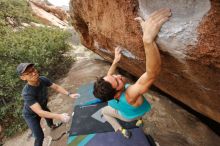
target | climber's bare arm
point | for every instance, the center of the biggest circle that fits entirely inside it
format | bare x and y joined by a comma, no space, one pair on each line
151,28
117,58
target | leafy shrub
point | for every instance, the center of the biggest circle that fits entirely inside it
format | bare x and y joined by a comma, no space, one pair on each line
43,46
18,10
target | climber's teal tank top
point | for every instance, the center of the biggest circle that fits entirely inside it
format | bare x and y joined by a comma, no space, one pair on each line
128,111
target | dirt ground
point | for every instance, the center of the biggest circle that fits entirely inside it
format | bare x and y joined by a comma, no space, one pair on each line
167,123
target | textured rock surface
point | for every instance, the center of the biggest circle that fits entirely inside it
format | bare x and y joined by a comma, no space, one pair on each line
49,15
58,12
189,44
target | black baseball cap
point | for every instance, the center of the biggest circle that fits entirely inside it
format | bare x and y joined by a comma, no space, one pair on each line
22,67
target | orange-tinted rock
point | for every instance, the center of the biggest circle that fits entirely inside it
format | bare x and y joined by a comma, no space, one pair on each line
58,12
189,44
49,15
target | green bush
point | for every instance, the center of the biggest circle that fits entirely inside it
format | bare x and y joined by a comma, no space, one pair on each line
43,46
17,10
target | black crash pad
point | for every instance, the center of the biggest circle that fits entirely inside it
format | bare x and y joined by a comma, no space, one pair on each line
83,122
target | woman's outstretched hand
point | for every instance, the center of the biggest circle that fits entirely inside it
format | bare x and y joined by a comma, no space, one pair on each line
74,96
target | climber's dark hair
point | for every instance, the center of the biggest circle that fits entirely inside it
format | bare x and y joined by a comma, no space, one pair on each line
103,90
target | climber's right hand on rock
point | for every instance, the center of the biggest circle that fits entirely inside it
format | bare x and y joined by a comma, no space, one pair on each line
154,22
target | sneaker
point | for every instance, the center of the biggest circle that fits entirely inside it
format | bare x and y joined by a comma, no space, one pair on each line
54,126
30,135
126,133
140,123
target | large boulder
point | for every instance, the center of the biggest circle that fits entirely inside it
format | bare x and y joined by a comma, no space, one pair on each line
56,11
189,44
49,15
